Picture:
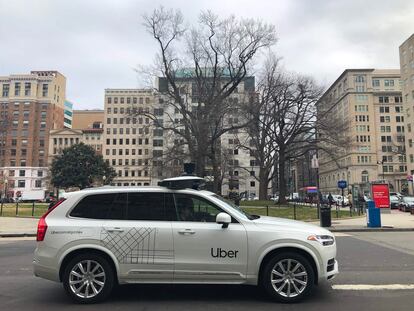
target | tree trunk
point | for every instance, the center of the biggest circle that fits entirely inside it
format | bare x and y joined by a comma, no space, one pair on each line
263,183
282,178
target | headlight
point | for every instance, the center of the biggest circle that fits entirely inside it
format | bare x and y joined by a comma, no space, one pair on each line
325,240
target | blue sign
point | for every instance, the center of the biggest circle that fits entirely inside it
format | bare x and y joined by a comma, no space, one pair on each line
342,184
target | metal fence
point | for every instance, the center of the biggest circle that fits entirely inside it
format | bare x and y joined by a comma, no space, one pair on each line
23,209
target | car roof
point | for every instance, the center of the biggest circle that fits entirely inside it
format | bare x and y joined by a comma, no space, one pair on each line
115,189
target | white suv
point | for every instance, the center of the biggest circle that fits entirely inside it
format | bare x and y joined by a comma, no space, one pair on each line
98,238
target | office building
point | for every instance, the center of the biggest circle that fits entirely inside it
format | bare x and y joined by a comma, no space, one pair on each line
30,106
83,119
407,78
370,101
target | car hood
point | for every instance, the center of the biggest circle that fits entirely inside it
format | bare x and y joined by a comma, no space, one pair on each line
290,225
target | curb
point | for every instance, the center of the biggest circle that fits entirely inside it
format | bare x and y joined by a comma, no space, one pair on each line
370,229
17,235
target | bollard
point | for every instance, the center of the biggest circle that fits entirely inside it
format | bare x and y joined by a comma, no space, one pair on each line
337,212
33,206
1,208
267,210
17,208
294,211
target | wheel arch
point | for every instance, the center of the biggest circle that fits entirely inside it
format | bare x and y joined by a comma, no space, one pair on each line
309,255
82,249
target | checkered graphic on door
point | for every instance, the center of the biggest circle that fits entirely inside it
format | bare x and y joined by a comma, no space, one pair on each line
136,245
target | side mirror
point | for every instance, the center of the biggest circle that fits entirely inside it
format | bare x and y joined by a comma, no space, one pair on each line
223,219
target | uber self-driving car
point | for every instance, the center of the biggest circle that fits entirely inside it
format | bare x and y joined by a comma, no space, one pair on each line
98,238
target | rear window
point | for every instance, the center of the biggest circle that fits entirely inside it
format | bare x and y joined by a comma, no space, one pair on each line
127,206
145,206
102,206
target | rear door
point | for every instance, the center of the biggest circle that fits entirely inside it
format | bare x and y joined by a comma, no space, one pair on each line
139,235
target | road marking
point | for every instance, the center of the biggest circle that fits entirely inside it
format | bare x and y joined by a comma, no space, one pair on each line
372,287
341,234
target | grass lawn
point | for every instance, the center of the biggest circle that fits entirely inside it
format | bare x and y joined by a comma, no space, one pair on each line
25,209
302,213
257,203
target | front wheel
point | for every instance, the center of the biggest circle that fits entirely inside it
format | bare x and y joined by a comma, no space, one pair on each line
88,278
288,277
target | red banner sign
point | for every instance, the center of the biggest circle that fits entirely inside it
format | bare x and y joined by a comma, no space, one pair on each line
381,195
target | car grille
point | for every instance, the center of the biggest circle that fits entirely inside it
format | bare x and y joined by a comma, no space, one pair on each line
331,265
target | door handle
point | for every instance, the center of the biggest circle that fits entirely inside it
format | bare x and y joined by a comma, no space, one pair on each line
186,231
114,229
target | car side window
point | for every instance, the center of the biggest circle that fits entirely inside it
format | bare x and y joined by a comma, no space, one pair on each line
192,208
101,206
146,206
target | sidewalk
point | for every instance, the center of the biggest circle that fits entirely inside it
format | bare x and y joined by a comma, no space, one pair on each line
17,227
396,221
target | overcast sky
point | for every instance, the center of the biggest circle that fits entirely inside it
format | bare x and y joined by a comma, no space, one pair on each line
96,44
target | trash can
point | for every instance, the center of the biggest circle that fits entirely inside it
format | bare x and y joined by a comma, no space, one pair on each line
373,215
325,216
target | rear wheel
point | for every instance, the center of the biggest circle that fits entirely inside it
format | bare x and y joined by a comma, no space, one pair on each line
88,278
288,277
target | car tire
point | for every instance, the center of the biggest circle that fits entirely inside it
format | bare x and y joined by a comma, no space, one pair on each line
288,277
88,278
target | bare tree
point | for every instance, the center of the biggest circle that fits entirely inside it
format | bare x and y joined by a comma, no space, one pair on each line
284,124
200,68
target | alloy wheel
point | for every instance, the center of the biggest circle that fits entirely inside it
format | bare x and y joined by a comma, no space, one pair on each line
289,278
87,279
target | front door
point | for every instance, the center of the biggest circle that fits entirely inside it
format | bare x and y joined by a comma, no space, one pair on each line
203,250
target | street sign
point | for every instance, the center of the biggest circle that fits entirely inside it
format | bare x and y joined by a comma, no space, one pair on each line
381,195
410,177
342,184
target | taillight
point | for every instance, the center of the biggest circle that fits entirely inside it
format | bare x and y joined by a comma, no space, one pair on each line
42,225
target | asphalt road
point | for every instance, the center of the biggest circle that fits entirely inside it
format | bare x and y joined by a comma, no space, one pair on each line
365,258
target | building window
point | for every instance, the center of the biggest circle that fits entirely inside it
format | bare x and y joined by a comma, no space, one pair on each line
384,99
27,87
364,176
45,90
375,83
6,88
17,89
38,183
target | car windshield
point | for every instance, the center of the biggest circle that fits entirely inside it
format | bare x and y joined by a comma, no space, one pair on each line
394,198
409,199
235,207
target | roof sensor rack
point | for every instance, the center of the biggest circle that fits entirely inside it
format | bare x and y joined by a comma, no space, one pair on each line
183,182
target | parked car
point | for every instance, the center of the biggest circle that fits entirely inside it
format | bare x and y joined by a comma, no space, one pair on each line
338,200
395,202
399,195
275,198
407,204
96,239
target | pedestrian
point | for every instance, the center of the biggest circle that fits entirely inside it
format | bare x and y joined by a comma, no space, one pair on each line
350,200
330,199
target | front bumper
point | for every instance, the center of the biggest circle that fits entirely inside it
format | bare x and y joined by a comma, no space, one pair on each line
331,272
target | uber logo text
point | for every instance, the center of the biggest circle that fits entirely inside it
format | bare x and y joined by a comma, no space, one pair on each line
222,253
